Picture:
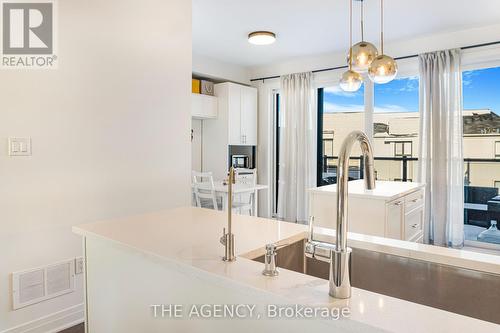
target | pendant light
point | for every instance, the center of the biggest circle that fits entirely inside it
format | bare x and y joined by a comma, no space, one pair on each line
363,53
384,68
350,81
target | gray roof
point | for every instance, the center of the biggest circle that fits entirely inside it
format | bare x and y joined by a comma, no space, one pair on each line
481,123
475,123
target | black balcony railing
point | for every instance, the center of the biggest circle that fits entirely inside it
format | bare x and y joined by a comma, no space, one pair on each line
406,166
481,184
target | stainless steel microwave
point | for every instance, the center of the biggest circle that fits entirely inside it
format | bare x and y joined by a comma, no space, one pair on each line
240,161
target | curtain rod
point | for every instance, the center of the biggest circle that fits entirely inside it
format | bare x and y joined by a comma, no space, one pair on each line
398,58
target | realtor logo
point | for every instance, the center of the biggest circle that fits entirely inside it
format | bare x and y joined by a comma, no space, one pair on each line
28,34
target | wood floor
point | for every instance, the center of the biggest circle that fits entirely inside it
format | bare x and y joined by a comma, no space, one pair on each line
75,329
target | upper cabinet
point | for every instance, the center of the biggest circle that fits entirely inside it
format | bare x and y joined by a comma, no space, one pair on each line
203,106
248,116
240,103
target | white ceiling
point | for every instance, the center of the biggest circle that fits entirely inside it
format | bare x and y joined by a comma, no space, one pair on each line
307,27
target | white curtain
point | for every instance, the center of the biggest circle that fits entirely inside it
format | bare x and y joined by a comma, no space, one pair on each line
297,169
441,147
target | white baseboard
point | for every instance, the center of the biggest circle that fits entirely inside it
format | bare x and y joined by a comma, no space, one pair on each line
52,323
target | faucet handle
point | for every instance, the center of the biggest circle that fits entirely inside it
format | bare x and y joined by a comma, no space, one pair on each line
272,247
311,228
270,267
223,239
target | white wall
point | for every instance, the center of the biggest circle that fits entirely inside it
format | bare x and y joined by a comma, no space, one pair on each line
196,144
216,69
110,130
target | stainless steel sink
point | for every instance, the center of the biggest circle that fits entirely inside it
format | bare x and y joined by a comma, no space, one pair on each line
463,291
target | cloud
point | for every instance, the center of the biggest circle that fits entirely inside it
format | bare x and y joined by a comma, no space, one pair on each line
337,91
467,77
345,108
411,84
400,85
329,107
391,108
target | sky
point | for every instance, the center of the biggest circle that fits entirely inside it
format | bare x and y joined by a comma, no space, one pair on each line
481,90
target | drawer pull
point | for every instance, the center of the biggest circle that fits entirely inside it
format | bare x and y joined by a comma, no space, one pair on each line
399,203
416,200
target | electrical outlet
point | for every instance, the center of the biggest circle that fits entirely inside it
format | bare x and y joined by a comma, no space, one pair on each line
20,146
79,265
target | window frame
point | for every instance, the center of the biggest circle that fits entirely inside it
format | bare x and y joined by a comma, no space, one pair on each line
403,143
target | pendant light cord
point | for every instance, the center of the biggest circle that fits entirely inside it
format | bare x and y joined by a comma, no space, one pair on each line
350,34
382,26
362,21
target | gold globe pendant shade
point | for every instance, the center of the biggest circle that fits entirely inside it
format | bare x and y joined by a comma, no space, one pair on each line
350,81
383,69
363,54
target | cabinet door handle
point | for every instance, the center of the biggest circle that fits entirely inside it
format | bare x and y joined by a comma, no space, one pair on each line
414,226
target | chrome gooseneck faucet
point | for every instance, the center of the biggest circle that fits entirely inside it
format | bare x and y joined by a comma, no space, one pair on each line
227,239
339,256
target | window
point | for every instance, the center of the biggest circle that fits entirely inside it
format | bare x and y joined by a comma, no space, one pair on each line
481,126
403,148
328,143
396,127
339,113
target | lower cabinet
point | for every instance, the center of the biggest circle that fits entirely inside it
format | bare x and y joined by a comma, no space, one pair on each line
401,218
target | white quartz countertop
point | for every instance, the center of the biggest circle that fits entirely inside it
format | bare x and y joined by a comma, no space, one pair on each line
190,237
384,190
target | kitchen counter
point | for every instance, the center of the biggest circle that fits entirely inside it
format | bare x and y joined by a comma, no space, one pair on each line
384,190
187,239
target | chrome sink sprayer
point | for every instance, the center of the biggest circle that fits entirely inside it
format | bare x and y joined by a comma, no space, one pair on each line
339,255
227,239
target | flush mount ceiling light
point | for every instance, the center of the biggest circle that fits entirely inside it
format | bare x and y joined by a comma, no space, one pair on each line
261,37
384,68
350,81
363,53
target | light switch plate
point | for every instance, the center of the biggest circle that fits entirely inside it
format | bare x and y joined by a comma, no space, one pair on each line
79,265
20,146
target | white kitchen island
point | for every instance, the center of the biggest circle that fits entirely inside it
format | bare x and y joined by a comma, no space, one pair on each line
174,257
392,209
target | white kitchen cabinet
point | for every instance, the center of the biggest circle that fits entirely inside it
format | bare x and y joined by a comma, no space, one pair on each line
236,124
203,106
240,103
232,98
248,116
392,210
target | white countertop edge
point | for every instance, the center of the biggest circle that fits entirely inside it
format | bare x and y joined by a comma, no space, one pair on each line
332,190
483,262
314,291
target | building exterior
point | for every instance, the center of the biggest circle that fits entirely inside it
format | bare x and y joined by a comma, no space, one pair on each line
396,136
